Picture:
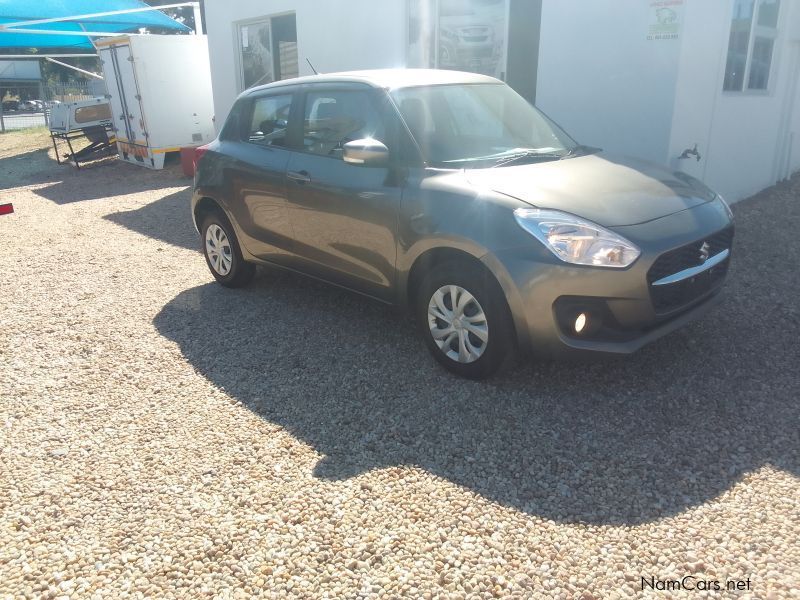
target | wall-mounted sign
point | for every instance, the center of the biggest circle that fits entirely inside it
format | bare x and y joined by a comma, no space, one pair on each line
665,20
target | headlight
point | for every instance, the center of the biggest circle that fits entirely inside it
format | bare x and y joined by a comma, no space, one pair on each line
727,207
576,241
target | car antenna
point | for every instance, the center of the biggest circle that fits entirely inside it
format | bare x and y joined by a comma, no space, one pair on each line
312,67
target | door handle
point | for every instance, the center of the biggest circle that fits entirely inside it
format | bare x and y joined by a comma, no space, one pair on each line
299,176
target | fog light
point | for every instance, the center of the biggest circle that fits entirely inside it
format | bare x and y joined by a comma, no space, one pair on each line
580,322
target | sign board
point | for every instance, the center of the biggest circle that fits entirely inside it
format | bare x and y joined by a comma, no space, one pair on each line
665,19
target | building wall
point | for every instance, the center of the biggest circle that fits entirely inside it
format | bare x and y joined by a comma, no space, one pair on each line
743,137
793,142
603,80
335,35
599,76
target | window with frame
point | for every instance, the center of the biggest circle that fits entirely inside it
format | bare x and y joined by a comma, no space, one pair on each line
336,117
270,120
754,31
267,50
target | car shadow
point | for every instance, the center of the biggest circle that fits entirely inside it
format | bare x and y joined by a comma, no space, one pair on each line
621,441
166,219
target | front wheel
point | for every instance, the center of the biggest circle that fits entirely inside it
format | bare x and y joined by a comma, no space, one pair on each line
222,252
465,320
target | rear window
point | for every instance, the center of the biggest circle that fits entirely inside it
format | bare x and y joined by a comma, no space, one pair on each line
98,112
270,120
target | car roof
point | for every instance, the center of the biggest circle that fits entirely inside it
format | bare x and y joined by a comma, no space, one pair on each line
384,78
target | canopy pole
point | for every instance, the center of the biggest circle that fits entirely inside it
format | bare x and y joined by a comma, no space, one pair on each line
40,56
93,15
198,18
70,33
74,68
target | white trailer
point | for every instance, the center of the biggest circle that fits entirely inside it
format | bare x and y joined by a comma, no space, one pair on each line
159,87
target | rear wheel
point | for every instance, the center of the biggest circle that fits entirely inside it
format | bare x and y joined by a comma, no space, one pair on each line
222,252
465,319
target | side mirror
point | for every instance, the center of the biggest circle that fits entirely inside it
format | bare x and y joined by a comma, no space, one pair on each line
366,152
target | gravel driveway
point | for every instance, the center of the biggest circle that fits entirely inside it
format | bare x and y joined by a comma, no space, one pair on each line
162,437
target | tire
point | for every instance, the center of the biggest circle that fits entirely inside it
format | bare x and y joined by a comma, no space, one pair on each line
227,267
480,320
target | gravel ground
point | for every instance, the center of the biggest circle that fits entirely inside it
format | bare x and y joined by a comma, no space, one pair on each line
162,437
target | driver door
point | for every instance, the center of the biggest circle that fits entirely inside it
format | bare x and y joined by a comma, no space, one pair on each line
344,216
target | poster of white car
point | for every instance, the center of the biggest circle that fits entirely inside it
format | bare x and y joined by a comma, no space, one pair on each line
472,36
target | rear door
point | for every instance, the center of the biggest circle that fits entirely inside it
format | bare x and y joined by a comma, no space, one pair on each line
344,216
125,98
256,174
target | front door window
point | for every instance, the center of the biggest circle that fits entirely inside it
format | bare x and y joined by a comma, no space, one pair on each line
334,118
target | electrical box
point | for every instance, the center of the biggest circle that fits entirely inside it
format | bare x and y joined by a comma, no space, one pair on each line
159,88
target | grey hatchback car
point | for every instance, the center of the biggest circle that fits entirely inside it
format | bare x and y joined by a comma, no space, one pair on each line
449,194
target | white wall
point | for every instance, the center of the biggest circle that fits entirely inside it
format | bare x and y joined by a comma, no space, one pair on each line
601,78
743,137
335,35
793,143
609,86
598,76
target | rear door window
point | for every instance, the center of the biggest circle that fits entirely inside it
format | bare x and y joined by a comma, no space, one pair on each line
269,121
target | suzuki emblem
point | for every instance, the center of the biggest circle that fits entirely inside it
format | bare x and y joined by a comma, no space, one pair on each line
704,252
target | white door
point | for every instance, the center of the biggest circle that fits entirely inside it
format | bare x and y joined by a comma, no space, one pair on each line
125,97
113,95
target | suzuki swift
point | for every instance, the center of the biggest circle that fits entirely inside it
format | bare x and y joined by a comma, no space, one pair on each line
449,194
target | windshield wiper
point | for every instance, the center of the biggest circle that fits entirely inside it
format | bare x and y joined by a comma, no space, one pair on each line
528,155
581,150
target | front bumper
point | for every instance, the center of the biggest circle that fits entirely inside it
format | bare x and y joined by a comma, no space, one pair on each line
545,294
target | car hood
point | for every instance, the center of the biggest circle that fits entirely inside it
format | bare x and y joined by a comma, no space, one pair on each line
607,190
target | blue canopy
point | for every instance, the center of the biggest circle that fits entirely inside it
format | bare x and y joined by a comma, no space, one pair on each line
12,11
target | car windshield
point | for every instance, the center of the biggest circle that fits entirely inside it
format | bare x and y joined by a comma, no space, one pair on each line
476,125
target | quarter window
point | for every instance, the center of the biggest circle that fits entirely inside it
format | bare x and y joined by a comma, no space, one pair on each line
336,117
270,120
754,29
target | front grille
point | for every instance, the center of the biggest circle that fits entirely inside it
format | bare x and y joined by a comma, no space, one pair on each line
667,298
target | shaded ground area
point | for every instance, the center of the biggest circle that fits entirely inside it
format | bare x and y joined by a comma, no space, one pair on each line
163,436
167,219
24,155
